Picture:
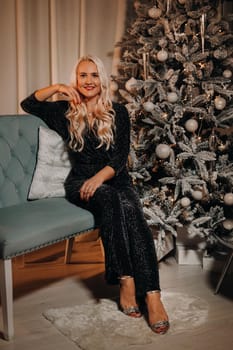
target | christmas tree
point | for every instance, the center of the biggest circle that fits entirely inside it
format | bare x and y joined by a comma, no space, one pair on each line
175,78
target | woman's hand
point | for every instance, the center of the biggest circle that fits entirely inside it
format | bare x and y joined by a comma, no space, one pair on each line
70,92
90,186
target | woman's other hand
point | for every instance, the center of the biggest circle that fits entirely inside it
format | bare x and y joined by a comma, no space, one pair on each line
70,93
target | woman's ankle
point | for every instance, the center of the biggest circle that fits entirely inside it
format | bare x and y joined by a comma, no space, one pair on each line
153,295
127,290
127,282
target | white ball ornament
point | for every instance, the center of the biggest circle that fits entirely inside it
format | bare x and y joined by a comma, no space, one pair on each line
220,102
172,97
163,151
148,106
130,84
185,202
191,125
227,73
228,199
228,224
162,55
182,2
154,12
197,195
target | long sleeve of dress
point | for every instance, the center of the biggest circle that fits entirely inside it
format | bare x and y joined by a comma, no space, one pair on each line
52,113
120,149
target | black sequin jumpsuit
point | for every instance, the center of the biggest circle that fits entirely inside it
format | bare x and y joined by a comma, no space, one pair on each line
127,239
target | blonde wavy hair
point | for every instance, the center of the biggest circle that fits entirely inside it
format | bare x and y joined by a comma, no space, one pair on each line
104,115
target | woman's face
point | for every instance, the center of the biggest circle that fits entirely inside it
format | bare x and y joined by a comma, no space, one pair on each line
88,81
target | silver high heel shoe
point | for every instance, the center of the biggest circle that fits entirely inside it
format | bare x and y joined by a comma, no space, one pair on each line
159,327
131,311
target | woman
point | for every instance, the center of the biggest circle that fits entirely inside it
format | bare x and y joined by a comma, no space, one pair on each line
97,133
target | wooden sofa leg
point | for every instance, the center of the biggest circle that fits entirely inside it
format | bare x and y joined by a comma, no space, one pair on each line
68,251
6,289
102,247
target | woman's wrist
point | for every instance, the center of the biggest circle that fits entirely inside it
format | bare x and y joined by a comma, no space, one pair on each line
57,87
47,92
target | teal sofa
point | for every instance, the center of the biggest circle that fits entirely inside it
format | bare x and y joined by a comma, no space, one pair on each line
28,225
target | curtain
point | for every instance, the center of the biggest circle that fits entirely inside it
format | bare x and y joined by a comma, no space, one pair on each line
41,41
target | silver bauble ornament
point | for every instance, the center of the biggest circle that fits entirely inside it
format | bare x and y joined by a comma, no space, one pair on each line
131,84
154,12
197,194
228,198
162,55
220,102
228,224
227,73
185,202
191,125
172,97
148,106
163,151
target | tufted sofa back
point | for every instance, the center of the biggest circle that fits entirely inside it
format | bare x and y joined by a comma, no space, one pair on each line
18,150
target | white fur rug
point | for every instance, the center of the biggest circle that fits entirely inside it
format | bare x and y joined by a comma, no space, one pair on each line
101,326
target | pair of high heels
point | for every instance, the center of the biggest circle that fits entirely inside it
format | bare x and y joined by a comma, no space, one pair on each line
159,327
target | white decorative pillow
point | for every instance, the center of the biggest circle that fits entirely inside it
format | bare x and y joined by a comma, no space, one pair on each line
52,166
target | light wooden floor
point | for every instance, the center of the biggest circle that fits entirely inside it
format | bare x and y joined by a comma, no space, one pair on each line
46,282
